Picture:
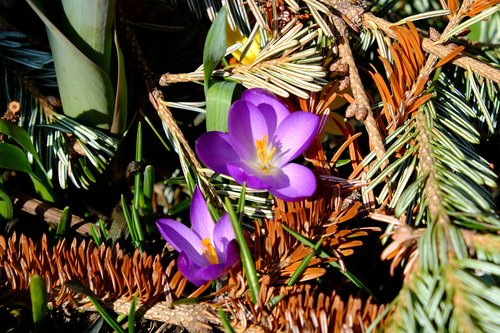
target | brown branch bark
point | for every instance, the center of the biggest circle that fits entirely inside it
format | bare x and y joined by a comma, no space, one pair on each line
361,106
156,98
48,213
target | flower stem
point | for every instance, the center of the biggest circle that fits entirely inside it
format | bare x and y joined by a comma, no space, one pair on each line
225,322
325,255
305,262
246,256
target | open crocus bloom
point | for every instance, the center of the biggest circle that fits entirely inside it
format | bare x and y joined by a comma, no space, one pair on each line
263,137
207,250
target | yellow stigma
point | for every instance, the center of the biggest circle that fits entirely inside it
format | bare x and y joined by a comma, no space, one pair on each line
262,153
209,251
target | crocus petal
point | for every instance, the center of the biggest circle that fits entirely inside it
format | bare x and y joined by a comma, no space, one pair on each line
246,124
182,239
295,134
201,220
232,254
301,183
271,106
189,270
244,174
215,151
223,234
212,272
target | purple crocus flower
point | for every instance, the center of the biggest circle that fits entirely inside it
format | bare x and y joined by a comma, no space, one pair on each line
207,250
263,137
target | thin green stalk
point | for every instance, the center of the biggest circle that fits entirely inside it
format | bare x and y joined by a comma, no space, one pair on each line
225,322
107,317
246,256
102,227
130,221
131,315
323,254
95,235
138,228
138,158
241,202
83,289
158,135
64,222
304,263
38,293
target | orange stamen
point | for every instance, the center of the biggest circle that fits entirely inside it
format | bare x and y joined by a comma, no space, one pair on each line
262,153
209,251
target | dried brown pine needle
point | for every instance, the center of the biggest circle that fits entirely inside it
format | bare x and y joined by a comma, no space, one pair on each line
303,308
403,248
108,272
278,254
405,91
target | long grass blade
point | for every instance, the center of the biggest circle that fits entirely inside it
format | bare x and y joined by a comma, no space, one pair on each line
246,256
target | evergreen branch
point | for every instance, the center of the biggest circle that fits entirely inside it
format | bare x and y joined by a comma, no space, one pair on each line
461,94
446,195
438,51
288,64
26,62
427,165
439,292
63,144
69,143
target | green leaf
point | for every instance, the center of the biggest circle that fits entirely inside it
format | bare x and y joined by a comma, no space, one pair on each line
342,162
121,97
107,317
138,227
147,191
64,222
138,176
86,90
13,158
6,208
215,46
89,26
22,137
128,219
38,293
219,98
95,235
180,207
241,202
102,228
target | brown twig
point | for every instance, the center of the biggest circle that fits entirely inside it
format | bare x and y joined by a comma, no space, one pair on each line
156,98
361,106
48,213
168,78
427,166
